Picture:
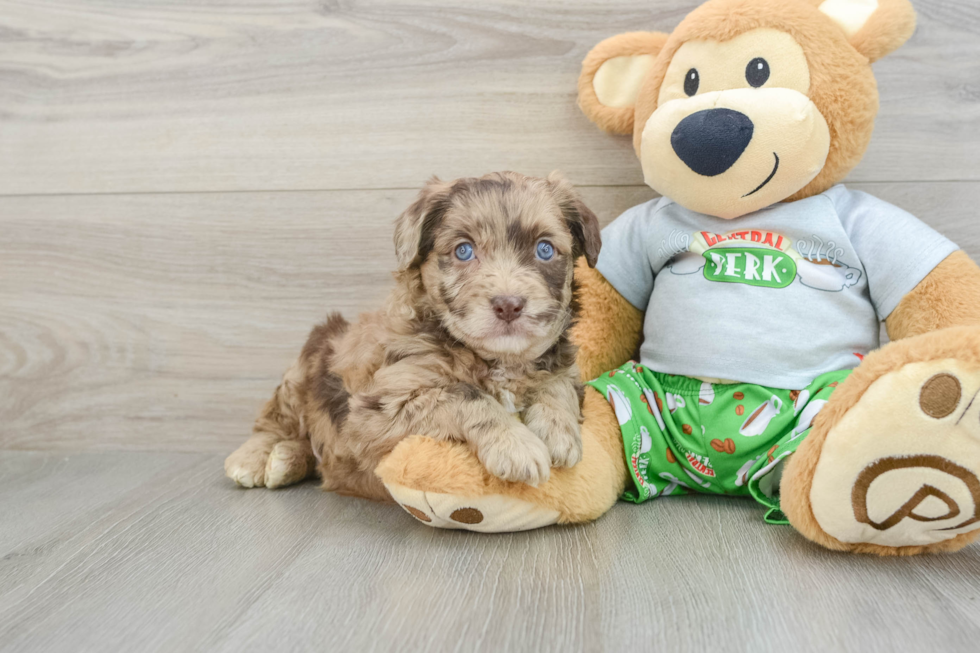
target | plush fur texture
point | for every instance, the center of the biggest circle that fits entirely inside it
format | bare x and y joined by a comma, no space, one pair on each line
960,343
616,120
448,356
891,25
609,330
948,297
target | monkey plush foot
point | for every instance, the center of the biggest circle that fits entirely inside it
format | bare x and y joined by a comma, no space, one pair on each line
892,466
443,484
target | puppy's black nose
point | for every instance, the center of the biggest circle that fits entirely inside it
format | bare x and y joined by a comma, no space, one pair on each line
711,141
507,307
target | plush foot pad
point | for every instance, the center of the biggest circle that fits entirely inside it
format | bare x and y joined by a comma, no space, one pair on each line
902,467
487,514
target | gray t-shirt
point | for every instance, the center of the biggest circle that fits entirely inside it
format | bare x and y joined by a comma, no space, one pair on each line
776,297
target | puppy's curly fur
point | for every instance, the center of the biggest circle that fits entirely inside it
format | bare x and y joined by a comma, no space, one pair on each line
472,348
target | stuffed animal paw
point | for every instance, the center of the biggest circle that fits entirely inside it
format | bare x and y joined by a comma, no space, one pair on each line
443,484
893,466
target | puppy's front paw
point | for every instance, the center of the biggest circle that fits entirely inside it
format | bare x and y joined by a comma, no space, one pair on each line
246,466
561,433
565,448
262,462
516,455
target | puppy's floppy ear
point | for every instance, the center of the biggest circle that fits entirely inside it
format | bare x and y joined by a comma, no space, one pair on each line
612,74
415,228
580,220
873,27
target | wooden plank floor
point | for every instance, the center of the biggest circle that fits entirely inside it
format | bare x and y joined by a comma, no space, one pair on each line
187,185
155,552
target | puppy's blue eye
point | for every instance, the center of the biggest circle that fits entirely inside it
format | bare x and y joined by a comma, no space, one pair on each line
464,252
545,250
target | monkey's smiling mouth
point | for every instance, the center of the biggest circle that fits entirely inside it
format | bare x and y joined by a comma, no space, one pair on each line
768,179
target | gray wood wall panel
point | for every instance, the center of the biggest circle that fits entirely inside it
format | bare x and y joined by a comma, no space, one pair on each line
122,96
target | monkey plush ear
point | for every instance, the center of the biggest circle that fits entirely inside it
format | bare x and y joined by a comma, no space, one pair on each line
580,219
612,74
874,27
415,228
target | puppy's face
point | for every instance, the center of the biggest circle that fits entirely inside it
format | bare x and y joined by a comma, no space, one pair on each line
496,255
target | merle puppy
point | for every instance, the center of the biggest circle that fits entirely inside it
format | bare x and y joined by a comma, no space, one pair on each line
472,345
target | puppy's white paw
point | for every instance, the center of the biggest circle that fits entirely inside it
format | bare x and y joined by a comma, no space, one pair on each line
246,467
559,432
289,462
516,455
565,448
262,463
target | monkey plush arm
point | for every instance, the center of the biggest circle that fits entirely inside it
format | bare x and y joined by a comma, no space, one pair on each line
609,328
949,296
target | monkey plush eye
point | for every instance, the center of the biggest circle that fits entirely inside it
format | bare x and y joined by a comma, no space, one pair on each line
464,252
757,72
545,250
691,81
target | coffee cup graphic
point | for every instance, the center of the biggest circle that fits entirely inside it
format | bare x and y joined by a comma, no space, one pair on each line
757,422
807,417
742,475
674,402
800,400
654,405
686,263
646,442
620,404
706,395
821,274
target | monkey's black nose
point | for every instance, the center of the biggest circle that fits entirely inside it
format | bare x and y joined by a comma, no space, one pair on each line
711,141
507,307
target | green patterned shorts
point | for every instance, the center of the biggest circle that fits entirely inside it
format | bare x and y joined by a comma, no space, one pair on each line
681,434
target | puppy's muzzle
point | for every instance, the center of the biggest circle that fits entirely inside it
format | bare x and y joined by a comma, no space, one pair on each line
709,142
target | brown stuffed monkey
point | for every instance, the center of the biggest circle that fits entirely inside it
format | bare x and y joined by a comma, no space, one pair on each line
756,285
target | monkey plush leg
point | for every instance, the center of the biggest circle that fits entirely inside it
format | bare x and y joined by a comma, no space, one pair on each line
892,465
444,485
